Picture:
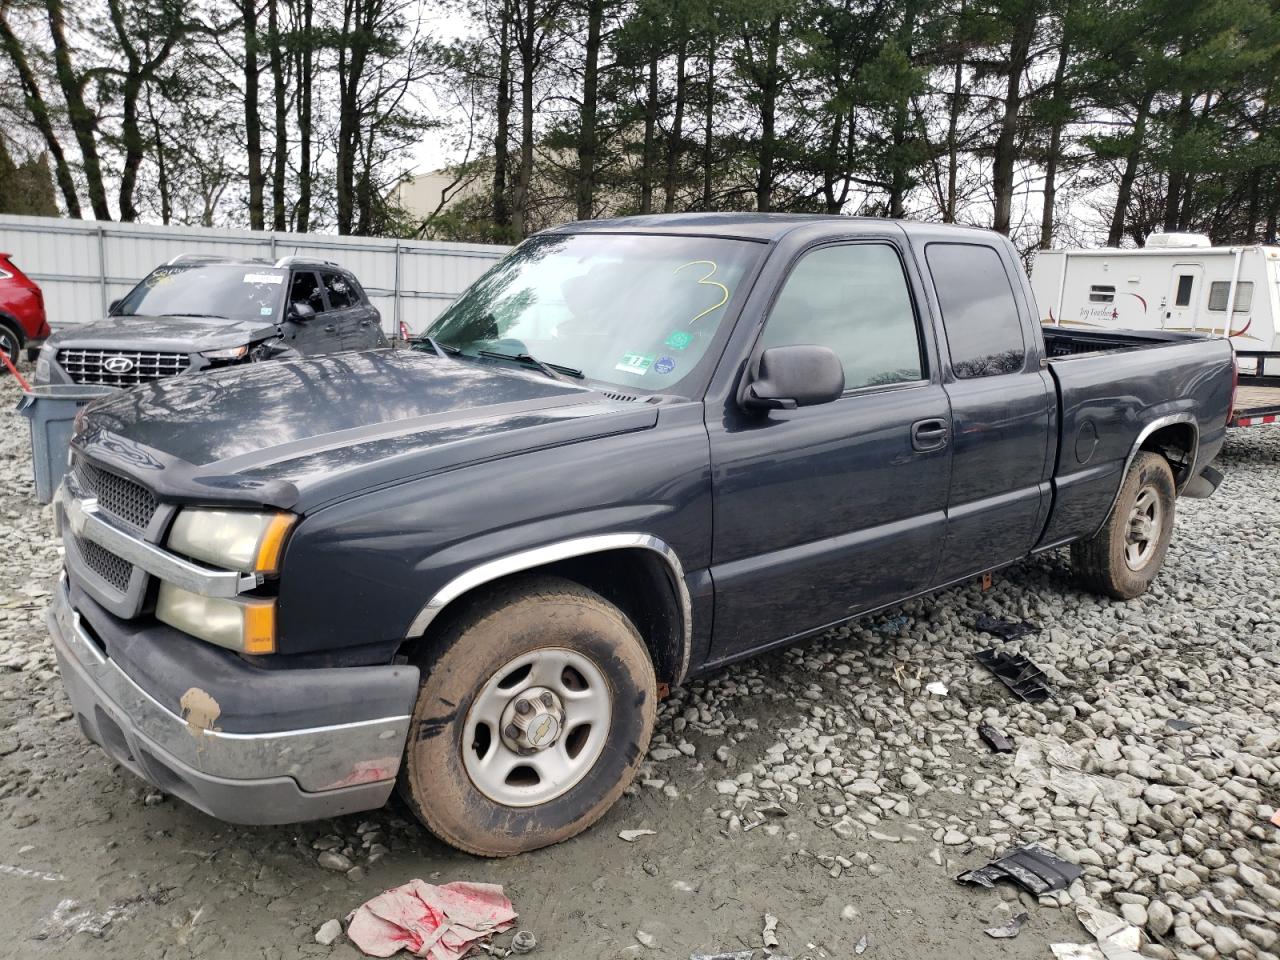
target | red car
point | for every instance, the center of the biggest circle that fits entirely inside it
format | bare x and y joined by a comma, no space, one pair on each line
22,320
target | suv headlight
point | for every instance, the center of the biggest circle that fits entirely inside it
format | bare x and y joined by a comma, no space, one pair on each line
232,539
231,353
44,365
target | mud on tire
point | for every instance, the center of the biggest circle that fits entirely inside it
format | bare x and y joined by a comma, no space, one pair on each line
577,647
1127,553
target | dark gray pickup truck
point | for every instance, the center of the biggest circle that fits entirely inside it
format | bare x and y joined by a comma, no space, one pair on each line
632,452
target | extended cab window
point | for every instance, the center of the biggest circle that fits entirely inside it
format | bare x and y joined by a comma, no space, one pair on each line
852,298
306,289
979,313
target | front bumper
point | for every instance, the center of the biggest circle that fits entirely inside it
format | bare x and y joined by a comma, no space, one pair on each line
279,776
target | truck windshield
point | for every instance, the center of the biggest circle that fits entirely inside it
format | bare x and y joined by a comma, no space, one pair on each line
637,311
232,291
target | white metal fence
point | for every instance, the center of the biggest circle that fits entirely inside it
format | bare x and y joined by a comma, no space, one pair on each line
83,265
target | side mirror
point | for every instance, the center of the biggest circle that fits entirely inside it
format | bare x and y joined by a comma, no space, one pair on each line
113,305
797,376
298,310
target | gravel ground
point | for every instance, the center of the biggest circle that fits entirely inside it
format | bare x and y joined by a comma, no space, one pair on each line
888,791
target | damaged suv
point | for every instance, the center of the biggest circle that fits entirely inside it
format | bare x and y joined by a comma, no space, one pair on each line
632,452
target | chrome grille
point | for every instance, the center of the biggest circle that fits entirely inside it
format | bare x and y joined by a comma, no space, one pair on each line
122,499
134,366
105,564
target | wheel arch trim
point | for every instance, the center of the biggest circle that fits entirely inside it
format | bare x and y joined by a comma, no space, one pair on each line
546,554
1158,424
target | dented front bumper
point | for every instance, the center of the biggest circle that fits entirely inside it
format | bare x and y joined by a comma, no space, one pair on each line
345,764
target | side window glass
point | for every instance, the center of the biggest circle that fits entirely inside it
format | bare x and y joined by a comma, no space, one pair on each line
854,299
979,312
340,292
305,288
1220,290
1183,296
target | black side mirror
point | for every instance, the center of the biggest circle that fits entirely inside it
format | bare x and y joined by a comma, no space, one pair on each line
298,310
111,307
797,376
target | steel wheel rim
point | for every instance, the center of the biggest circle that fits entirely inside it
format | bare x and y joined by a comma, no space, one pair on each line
9,344
581,698
1142,531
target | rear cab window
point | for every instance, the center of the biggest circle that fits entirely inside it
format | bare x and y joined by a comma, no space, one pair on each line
979,313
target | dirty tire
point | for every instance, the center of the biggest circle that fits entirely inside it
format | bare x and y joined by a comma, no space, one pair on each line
1100,562
527,616
11,344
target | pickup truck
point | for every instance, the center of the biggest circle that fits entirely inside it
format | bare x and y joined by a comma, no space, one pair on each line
634,451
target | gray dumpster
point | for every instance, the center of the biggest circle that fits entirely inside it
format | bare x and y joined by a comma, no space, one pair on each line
52,411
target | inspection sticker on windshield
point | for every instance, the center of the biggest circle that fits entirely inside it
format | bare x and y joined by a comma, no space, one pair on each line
266,311
678,340
664,365
263,278
636,363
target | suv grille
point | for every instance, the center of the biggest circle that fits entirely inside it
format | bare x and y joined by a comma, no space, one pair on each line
120,368
105,564
123,499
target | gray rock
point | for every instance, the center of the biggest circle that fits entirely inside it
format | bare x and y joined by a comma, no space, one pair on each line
329,931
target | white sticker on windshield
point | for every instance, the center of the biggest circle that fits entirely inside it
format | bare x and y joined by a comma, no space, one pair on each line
263,278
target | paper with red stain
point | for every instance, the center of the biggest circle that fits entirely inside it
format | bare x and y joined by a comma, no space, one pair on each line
440,923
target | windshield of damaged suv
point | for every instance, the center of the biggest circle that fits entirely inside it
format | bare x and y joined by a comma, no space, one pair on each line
231,291
637,311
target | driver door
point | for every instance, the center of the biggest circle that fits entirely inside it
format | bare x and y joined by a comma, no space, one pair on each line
308,337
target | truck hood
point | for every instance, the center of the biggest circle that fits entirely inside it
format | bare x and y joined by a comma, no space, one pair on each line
164,334
298,433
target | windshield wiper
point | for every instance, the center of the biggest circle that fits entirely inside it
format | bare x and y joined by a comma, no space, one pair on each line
553,370
203,316
443,349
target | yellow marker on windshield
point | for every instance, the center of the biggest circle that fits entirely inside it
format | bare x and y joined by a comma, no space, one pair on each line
707,281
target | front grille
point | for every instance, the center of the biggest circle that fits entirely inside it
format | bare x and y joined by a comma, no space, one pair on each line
105,564
131,366
120,498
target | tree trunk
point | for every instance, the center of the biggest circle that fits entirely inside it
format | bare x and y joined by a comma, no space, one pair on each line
528,74
649,165
502,136
708,127
306,67
351,62
1177,176
134,149
1055,146
675,139
587,135
1007,141
252,124
40,114
953,126
281,157
1125,190
768,117
84,124
162,167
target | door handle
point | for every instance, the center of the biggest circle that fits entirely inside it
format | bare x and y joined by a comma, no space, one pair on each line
329,328
929,434
365,323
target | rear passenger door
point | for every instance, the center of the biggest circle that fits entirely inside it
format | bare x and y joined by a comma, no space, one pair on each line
1003,409
343,315
824,511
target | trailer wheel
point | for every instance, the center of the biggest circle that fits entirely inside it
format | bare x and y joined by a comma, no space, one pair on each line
534,713
1127,553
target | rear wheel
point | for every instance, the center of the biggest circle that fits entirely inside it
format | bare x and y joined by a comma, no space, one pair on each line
10,344
535,711
1127,553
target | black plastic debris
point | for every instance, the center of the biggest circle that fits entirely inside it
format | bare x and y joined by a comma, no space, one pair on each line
1033,868
1005,629
1017,673
1010,929
994,739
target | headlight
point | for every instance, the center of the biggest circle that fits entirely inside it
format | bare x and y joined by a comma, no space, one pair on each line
231,353
232,539
44,365
247,624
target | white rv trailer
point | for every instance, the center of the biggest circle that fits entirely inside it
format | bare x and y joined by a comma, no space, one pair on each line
1177,283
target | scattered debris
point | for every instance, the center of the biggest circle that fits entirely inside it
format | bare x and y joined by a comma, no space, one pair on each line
994,739
1016,672
1052,763
67,920
861,946
329,931
771,811
1275,818
647,939
1010,929
1076,951
1033,868
1118,939
631,836
733,955
1179,725
30,874
936,687
891,625
769,936
1005,629
524,941
437,922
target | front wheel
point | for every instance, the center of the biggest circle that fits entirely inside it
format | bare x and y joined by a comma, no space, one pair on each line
1127,553
534,713
10,345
